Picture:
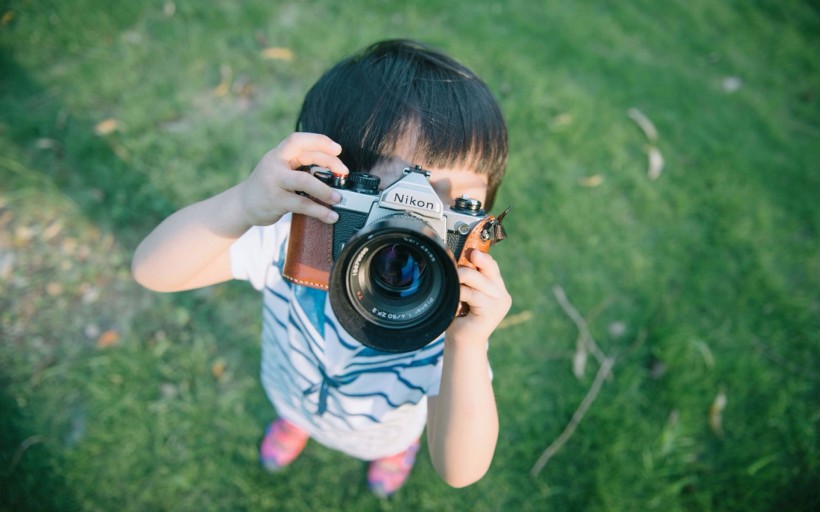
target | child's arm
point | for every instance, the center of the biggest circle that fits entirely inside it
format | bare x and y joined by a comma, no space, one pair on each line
462,422
191,248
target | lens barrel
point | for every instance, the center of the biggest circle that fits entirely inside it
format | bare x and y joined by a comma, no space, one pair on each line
394,286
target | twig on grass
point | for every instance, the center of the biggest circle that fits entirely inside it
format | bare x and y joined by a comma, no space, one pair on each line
584,341
784,363
18,454
577,416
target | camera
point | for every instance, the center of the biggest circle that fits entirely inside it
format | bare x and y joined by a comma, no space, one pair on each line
390,262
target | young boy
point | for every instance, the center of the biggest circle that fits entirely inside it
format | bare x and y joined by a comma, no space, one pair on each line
395,105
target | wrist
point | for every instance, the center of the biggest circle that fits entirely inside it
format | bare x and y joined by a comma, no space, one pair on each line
231,216
464,341
253,209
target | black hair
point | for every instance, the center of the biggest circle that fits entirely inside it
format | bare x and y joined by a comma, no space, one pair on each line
372,101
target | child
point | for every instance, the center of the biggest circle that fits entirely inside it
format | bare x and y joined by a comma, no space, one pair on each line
395,105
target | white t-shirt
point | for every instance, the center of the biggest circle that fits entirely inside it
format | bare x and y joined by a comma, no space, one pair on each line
349,397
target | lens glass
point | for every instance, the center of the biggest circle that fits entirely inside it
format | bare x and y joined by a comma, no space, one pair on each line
398,270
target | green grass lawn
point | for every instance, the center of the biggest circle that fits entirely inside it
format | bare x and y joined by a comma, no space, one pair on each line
702,282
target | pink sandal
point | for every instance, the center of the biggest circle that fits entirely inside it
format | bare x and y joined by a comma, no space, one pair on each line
387,475
283,442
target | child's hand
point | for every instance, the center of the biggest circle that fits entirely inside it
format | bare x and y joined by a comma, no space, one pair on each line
482,288
270,191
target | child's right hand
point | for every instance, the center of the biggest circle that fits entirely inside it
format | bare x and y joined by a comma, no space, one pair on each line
271,189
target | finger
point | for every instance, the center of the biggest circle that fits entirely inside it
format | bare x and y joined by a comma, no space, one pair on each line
307,158
492,298
485,263
297,142
476,280
306,206
478,301
466,294
299,181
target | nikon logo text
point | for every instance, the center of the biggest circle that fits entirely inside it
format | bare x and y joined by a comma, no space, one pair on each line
412,201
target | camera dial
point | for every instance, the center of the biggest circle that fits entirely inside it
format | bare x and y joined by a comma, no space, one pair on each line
324,176
332,179
468,205
365,183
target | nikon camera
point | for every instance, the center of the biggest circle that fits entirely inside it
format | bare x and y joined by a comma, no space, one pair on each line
390,262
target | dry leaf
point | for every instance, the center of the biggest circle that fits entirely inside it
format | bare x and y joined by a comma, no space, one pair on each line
643,122
591,181
46,143
23,234
616,329
6,265
7,17
655,162
518,318
90,294
91,331
107,127
108,339
218,369
277,54
52,230
6,215
243,89
225,79
716,413
221,90
54,288
732,84
168,391
579,361
121,152
69,245
562,120
708,358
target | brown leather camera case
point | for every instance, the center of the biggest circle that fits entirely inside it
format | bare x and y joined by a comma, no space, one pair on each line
309,255
475,242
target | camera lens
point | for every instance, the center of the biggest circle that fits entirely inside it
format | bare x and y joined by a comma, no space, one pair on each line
398,270
394,286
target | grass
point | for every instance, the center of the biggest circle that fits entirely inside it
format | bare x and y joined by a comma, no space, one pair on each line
701,283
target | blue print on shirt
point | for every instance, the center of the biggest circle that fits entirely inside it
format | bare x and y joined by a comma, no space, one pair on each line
313,337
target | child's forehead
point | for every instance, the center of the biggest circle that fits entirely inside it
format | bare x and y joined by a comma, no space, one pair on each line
392,169
448,182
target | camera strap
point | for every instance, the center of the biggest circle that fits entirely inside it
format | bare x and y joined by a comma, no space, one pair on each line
494,230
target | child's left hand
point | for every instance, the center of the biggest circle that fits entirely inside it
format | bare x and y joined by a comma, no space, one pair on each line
483,289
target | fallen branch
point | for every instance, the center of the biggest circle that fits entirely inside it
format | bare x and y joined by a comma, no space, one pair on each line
786,364
21,449
584,337
556,445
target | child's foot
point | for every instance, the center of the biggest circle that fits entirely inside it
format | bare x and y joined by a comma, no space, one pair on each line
386,476
283,442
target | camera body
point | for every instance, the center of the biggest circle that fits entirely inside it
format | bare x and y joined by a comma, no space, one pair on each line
362,205
390,261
